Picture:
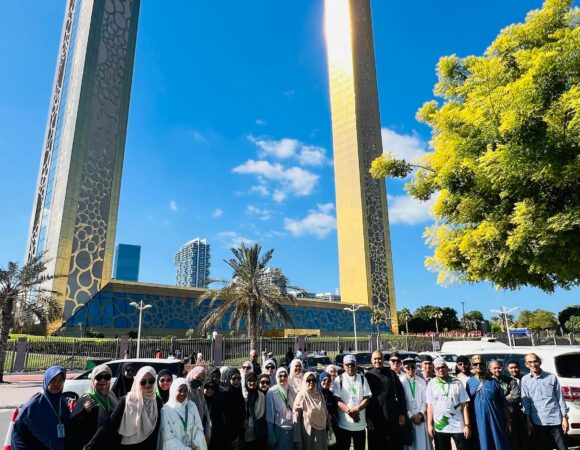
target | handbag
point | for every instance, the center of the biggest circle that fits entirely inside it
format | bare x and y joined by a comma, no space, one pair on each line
407,432
330,437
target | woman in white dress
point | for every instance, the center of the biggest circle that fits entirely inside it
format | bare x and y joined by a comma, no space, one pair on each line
415,389
181,427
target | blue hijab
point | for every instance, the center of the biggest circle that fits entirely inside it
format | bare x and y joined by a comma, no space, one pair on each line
39,413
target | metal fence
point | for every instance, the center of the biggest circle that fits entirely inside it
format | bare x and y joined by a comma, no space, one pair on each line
180,347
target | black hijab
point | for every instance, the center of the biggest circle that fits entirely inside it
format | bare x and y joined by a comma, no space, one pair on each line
236,413
122,384
163,395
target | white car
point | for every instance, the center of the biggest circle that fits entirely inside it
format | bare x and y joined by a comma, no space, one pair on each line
77,386
562,361
450,358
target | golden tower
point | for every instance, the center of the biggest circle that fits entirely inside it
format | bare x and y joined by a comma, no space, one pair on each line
364,246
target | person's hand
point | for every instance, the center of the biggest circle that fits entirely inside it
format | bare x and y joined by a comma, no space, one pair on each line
530,427
565,425
431,431
370,425
467,432
88,406
193,447
508,427
401,420
416,419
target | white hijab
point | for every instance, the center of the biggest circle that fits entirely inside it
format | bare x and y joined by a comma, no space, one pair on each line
140,415
172,402
295,381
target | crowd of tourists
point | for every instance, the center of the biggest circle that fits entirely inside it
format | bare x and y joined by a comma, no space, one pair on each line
261,407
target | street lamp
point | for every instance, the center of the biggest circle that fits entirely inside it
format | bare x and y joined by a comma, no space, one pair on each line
353,309
505,312
140,306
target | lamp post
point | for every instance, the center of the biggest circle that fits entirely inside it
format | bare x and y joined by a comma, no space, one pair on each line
140,306
505,312
353,309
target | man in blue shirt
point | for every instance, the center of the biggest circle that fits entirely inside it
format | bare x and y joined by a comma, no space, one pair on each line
544,406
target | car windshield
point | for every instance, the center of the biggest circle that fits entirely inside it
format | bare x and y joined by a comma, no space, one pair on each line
176,368
316,360
568,366
363,358
450,358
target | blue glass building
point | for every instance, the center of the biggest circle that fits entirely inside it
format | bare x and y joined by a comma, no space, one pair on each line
126,262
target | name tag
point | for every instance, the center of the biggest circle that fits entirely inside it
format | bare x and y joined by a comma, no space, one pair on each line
60,431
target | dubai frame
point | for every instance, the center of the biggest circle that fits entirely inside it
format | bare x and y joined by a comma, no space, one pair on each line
75,209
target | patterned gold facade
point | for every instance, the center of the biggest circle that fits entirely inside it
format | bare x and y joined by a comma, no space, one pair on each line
75,209
364,249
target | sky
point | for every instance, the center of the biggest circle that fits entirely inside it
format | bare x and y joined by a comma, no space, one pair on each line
229,134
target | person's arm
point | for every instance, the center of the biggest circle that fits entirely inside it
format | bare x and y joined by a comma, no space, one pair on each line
563,407
467,423
515,392
22,438
297,418
109,428
198,437
527,404
430,428
401,401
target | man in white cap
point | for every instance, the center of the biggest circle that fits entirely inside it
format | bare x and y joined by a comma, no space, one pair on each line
352,394
447,412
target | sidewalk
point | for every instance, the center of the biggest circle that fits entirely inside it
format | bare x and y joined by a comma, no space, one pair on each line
17,388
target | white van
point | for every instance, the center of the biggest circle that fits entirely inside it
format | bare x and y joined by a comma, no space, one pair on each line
562,361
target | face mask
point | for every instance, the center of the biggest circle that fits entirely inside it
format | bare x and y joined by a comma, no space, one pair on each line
196,384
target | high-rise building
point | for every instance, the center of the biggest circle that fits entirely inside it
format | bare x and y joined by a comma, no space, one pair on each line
126,262
192,263
275,276
364,248
74,217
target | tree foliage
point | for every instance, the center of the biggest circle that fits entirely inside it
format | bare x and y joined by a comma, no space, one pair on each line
423,321
506,161
249,298
22,295
566,314
543,320
573,324
472,321
404,316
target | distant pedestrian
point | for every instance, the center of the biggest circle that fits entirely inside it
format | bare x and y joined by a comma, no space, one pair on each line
544,406
289,354
253,355
42,421
447,416
158,354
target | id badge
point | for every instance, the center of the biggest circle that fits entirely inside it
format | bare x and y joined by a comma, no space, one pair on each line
414,406
353,400
288,415
60,430
251,422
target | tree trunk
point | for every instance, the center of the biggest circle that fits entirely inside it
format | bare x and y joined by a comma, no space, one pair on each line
436,325
252,328
6,323
407,326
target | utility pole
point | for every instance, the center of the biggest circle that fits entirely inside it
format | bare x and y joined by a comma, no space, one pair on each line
504,311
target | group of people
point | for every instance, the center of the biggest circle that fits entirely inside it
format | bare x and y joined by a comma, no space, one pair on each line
268,407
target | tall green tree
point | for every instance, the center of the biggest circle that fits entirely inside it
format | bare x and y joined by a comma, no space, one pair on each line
472,320
404,317
436,314
506,161
22,292
377,318
566,314
249,297
543,320
525,318
573,324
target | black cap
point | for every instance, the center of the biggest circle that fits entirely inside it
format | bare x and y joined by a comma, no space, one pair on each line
462,359
426,358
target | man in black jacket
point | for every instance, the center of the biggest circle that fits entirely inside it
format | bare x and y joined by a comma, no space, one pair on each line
387,407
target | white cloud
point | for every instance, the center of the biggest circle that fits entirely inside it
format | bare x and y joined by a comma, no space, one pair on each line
409,147
407,210
173,205
260,122
311,155
282,149
233,239
217,212
319,222
292,181
198,137
261,189
262,214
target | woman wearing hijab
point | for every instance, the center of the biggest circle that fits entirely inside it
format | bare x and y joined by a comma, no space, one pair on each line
236,409
215,377
181,427
124,381
332,370
164,380
195,379
279,403
311,419
255,437
245,369
295,375
214,399
269,368
264,383
92,410
324,386
136,418
42,421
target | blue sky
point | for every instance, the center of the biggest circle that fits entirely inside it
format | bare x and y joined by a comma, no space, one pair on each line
229,134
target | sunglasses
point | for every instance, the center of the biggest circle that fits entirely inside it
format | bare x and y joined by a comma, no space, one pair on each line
477,364
265,382
165,380
310,381
395,361
349,365
535,361
282,375
410,367
103,377
236,378
247,367
269,367
129,371
149,381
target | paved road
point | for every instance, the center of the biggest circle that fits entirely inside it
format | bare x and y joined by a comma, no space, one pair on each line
4,421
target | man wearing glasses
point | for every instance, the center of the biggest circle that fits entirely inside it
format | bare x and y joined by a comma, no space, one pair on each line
447,412
352,394
544,406
463,369
396,364
387,406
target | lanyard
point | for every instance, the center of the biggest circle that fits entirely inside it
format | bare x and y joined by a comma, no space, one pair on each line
158,394
413,386
282,396
96,398
448,383
184,421
57,415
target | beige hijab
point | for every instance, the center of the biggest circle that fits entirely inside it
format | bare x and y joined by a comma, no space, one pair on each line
312,406
140,415
103,368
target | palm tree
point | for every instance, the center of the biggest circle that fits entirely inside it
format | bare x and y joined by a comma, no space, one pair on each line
377,317
405,316
436,314
22,291
249,296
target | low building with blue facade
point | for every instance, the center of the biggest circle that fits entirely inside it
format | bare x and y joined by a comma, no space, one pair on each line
177,309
